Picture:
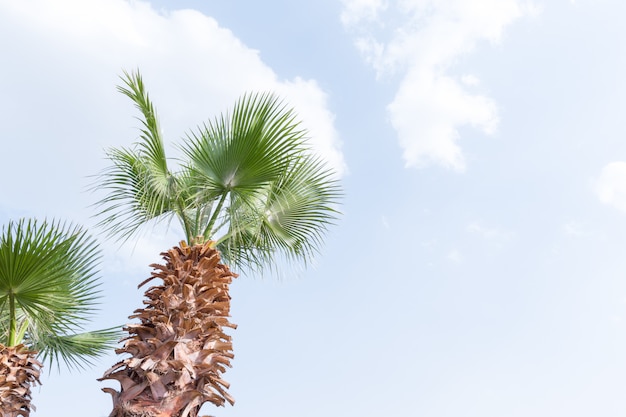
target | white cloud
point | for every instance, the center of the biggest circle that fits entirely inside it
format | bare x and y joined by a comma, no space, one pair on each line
610,187
470,80
427,122
60,109
357,10
312,105
420,40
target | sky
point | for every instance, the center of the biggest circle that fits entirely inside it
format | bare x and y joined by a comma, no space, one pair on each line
478,266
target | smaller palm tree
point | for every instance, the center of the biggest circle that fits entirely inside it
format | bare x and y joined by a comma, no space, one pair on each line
48,291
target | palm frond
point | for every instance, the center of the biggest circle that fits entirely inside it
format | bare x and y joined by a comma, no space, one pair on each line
240,153
288,219
245,149
139,184
135,194
49,288
79,350
48,270
151,144
299,208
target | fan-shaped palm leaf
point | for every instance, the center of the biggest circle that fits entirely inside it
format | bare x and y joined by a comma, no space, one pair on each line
288,218
49,288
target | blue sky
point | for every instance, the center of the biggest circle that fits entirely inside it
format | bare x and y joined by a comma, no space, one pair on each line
478,268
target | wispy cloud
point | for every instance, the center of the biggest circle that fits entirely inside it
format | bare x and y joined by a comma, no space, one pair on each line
454,256
385,222
610,186
574,229
420,40
489,233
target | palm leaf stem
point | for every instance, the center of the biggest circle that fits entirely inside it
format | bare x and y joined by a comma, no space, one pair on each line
12,321
208,231
199,215
183,218
222,239
22,330
234,230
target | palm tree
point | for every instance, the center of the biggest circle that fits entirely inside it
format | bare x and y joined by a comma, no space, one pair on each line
247,190
48,290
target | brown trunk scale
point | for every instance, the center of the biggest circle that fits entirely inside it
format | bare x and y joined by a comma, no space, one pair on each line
19,371
179,349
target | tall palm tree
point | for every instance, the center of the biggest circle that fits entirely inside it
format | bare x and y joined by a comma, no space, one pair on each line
247,190
48,291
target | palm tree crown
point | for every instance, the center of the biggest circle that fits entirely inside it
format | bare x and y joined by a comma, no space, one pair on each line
248,181
49,291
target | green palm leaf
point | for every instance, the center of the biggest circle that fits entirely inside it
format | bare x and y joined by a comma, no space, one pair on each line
48,286
288,219
245,150
136,193
75,350
141,187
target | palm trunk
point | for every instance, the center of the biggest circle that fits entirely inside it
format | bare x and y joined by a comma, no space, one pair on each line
179,349
19,371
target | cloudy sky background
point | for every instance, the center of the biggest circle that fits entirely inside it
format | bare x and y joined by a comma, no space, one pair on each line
478,268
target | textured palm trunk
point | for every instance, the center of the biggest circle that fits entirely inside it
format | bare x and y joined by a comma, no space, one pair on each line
179,349
19,371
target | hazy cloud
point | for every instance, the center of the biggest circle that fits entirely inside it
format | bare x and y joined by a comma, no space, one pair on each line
574,229
420,40
610,187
